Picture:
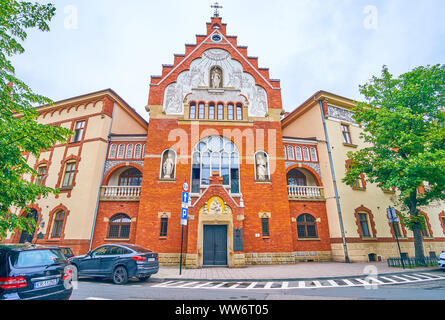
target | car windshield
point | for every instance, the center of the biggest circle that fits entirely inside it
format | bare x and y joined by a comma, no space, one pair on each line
67,251
138,249
36,258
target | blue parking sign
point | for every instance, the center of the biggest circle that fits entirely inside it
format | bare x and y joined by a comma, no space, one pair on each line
184,213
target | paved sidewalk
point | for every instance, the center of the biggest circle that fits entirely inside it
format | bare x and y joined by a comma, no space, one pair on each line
299,271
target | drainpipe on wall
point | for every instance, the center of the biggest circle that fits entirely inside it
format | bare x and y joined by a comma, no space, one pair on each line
101,180
345,248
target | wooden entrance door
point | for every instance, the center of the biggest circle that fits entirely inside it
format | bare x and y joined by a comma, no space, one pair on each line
215,245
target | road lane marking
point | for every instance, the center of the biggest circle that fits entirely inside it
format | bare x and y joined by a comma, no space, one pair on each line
301,284
285,285
253,284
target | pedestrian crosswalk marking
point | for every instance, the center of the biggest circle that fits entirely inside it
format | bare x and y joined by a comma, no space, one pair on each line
268,285
333,283
308,284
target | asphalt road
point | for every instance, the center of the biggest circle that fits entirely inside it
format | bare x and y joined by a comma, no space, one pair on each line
423,289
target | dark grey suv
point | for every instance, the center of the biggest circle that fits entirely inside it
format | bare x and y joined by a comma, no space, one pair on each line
118,262
30,272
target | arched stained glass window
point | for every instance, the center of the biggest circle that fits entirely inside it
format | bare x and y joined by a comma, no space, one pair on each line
215,154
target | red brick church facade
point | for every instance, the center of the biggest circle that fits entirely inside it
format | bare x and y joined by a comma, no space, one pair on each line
217,128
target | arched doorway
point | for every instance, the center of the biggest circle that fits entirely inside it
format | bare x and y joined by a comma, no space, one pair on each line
28,236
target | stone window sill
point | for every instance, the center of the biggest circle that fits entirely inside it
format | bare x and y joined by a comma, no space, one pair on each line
163,238
351,145
263,181
308,239
167,180
369,238
116,239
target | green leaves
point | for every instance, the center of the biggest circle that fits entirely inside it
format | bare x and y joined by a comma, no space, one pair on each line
404,127
19,131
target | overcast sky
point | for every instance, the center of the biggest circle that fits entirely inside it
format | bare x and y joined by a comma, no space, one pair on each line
310,45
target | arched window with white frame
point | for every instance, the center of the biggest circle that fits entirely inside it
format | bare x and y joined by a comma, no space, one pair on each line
138,151
290,153
306,154
298,155
112,153
129,153
314,154
121,151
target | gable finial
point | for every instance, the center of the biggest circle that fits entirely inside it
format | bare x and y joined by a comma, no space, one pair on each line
216,6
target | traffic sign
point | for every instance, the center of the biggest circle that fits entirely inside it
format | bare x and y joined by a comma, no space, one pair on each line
392,215
184,214
185,197
185,186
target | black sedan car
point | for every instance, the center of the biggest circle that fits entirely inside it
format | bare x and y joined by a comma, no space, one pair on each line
119,262
30,272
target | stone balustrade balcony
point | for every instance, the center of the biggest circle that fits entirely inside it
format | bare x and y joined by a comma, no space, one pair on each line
305,192
124,193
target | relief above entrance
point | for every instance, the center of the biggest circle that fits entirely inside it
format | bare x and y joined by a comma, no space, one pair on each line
215,206
217,73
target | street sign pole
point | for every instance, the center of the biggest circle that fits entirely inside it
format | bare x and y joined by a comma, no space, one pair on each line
392,216
398,244
184,217
180,259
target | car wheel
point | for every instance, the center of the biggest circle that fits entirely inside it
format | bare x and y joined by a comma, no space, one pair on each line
120,275
144,278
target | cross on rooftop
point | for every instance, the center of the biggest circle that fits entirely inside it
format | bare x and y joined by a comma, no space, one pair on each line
216,6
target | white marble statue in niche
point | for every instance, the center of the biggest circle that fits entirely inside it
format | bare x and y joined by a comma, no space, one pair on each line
216,78
168,166
262,170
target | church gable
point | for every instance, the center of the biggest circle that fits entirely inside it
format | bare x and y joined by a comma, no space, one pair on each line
215,69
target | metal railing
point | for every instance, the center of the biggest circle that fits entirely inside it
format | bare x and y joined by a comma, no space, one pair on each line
412,262
305,192
121,192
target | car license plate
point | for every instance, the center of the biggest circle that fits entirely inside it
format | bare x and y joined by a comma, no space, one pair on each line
151,259
44,284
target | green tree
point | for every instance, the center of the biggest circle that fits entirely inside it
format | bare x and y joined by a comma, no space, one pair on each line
19,131
403,125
